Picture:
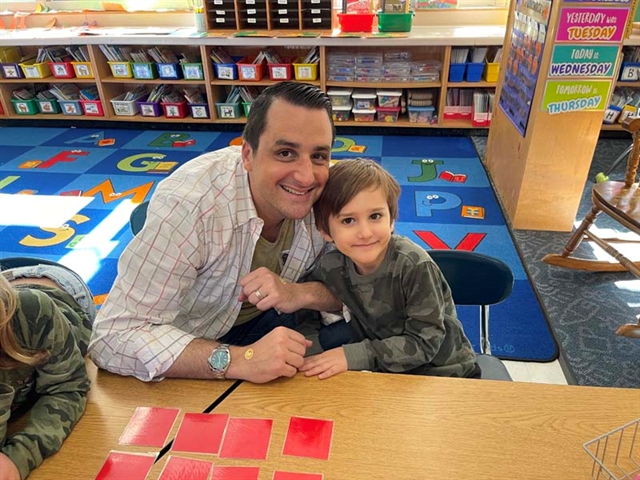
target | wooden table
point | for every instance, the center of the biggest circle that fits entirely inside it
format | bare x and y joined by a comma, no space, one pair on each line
111,403
396,427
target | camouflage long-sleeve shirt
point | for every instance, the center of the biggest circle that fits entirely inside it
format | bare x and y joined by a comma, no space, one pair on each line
402,315
54,392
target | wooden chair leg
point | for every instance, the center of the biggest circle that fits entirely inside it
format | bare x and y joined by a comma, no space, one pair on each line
578,235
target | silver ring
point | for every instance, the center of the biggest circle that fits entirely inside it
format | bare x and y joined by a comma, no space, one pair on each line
258,294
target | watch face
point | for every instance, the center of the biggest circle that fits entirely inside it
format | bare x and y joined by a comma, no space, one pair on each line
219,360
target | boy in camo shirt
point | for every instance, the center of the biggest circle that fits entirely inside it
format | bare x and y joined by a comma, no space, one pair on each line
402,315
46,314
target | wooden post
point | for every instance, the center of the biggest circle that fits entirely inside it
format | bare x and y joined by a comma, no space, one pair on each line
539,164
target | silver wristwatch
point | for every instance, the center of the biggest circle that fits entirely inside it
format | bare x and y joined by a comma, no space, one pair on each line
219,361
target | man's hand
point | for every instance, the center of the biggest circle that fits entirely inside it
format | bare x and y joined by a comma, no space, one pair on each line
278,354
326,364
267,290
8,469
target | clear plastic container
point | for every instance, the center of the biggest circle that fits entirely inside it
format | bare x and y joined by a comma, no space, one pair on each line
364,99
341,113
389,98
388,115
340,96
420,114
364,114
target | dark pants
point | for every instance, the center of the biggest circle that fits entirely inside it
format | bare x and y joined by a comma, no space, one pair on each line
255,329
335,335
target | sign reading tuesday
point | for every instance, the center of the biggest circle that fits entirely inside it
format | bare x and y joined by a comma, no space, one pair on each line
592,24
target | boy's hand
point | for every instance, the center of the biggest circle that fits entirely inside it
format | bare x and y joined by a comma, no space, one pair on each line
326,364
8,469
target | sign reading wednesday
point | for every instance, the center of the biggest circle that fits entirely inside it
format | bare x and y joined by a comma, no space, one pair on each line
575,96
583,61
586,24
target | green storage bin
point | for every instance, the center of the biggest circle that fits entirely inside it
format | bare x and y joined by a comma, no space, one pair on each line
144,70
48,106
25,107
395,22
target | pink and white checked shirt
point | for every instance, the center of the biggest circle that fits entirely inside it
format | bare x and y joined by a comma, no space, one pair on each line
178,278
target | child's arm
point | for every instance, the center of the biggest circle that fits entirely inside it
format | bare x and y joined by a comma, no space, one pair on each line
61,383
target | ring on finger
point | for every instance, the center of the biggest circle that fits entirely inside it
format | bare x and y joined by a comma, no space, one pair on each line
258,294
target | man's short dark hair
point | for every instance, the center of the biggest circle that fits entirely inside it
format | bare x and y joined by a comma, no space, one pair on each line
296,93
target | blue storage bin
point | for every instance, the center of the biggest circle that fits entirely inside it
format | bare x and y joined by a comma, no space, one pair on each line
456,71
169,71
474,72
227,71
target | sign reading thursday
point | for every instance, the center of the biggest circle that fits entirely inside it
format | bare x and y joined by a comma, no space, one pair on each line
575,96
583,61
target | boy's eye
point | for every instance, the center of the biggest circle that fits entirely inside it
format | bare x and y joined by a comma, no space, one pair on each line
376,216
347,221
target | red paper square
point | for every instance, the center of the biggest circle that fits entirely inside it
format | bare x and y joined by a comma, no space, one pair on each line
247,438
149,427
308,437
296,476
131,466
200,433
235,473
179,468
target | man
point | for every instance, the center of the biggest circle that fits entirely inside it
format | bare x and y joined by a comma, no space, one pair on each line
207,288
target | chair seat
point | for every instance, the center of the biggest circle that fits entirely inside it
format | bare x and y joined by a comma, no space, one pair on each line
493,368
619,202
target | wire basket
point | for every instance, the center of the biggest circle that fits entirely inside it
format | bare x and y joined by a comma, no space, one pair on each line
616,455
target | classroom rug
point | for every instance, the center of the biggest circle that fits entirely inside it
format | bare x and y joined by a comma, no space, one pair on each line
84,183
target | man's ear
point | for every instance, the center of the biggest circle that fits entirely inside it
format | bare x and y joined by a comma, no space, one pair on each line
247,155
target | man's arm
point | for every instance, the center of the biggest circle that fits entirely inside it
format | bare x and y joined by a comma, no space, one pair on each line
278,354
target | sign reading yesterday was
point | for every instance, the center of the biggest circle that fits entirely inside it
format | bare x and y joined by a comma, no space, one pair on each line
585,24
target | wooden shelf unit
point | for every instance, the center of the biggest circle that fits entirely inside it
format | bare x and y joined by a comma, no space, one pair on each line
216,90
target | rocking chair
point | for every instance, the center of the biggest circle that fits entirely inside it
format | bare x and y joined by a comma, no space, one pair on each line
621,201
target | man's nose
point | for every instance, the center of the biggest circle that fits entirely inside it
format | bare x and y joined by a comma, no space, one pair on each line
305,173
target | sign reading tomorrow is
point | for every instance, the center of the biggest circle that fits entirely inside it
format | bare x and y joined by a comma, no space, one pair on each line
575,96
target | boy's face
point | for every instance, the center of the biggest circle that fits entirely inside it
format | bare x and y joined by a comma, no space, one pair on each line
362,230
289,170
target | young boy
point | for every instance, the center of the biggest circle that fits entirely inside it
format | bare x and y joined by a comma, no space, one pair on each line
403,318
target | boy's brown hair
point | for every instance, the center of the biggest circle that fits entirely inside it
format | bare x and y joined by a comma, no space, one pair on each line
349,177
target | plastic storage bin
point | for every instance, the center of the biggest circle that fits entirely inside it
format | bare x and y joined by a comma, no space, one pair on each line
491,71
340,96
364,114
227,71
175,110
169,71
355,22
82,69
48,106
364,99
305,71
250,72
394,22
389,98
92,108
149,109
341,113
145,70
420,114
36,70
388,115
62,69
121,69
192,71
456,71
474,72
281,71
199,110
25,107
70,107
629,72
246,107
228,110
123,107
12,70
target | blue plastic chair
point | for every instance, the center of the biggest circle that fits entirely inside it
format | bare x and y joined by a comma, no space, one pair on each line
478,279
138,217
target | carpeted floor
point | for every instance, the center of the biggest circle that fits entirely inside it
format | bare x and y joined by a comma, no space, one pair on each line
585,308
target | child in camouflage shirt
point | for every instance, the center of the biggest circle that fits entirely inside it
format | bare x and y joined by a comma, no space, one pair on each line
46,314
402,315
